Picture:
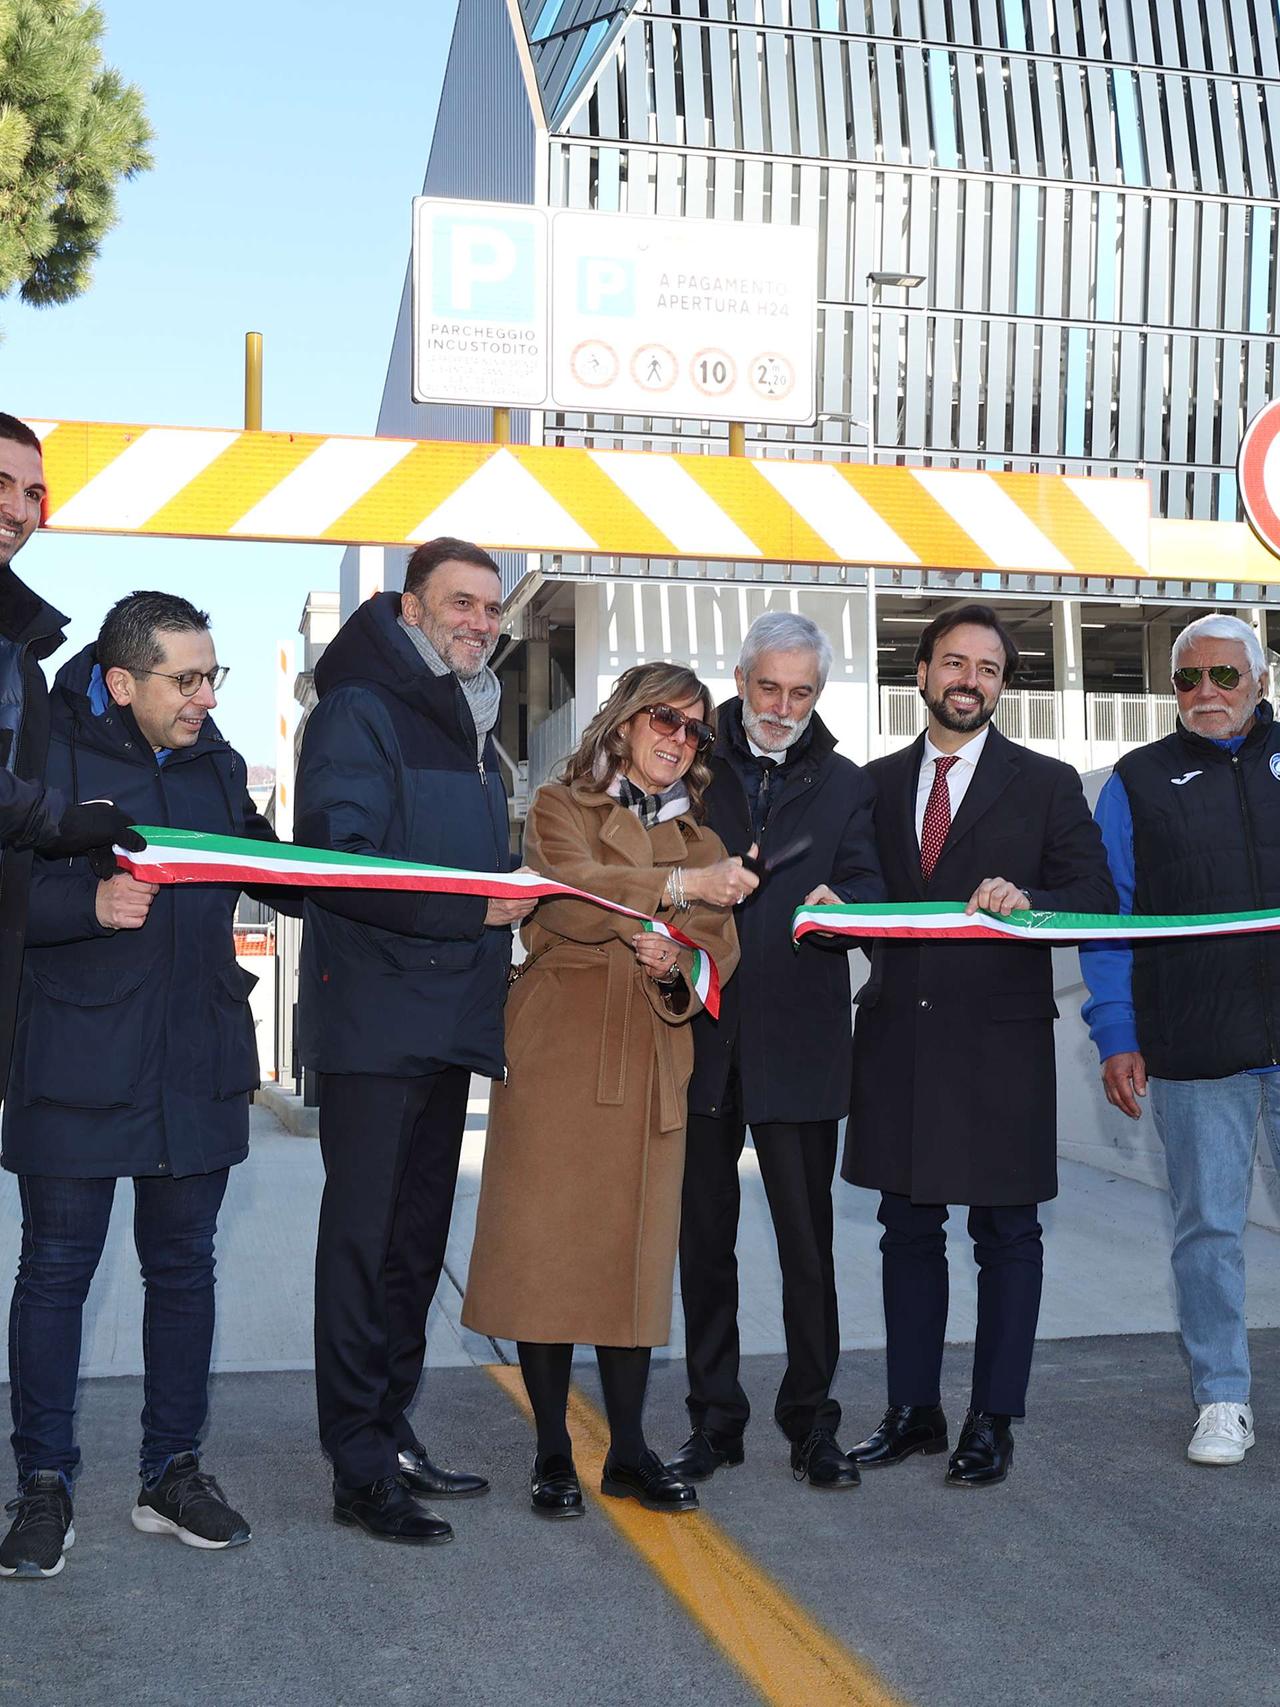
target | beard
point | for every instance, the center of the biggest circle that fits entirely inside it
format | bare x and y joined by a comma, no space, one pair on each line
462,660
960,722
773,734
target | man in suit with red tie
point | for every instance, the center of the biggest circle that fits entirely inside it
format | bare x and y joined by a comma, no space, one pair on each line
953,1080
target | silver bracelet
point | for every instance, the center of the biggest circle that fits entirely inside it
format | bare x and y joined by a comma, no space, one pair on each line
675,887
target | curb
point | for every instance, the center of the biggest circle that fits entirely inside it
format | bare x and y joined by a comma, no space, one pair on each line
290,1110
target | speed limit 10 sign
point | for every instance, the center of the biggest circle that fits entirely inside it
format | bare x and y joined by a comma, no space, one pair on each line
1258,468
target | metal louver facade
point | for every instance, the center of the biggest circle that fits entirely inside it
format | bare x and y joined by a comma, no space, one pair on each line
1090,191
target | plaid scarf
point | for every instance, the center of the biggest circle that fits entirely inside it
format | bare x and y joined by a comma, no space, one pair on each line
649,807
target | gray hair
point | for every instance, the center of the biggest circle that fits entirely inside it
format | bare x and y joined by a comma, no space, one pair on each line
784,631
1222,628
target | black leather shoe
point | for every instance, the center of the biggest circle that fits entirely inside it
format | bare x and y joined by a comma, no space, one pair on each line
704,1453
904,1429
819,1458
650,1482
421,1476
387,1510
554,1488
983,1453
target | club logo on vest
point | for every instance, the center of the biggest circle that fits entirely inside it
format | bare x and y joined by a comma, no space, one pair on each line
1178,781
1275,766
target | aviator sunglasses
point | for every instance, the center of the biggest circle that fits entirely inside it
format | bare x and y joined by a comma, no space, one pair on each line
1187,680
666,720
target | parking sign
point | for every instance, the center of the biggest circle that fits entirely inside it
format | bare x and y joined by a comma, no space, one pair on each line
480,303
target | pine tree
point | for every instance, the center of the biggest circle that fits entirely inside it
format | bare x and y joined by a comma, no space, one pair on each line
70,129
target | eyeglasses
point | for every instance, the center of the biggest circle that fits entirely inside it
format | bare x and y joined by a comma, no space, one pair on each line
666,720
189,680
1221,675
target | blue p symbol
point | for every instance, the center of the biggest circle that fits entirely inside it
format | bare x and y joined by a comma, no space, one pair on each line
482,269
606,285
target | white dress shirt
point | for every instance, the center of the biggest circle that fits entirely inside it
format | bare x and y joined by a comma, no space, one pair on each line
959,776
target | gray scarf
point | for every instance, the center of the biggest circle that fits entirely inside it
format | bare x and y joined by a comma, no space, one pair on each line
483,690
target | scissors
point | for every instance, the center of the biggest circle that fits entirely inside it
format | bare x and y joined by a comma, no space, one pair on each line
763,867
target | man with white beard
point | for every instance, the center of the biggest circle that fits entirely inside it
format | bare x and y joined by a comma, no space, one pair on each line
778,1059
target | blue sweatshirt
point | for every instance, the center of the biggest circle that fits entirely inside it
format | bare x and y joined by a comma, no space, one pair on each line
1107,967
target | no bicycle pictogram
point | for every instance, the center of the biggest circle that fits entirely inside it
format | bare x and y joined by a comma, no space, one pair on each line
594,363
1258,468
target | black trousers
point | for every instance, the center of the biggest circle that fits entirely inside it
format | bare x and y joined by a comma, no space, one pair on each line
390,1149
797,1162
1010,1258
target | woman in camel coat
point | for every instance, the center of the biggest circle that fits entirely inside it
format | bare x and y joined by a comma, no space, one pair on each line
579,1208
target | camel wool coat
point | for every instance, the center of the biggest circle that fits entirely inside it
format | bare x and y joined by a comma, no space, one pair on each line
579,1211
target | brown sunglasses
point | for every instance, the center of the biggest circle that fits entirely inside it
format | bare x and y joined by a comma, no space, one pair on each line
666,720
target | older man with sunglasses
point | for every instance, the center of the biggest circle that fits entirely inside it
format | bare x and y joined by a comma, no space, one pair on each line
1191,825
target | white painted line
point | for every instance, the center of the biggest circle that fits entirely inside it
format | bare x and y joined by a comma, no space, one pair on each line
983,509
319,490
502,501
142,479
676,505
1123,507
836,511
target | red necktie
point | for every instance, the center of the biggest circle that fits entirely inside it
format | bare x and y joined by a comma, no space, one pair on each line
937,816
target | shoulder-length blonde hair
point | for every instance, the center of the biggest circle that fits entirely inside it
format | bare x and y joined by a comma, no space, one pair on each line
603,750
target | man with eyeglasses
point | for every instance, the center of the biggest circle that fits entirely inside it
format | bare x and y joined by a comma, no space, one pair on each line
1191,824
134,1058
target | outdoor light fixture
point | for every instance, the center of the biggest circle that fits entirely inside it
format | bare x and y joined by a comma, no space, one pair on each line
900,281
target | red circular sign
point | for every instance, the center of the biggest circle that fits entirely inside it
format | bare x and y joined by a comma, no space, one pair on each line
1258,469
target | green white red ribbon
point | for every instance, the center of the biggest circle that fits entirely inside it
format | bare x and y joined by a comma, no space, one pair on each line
191,856
946,920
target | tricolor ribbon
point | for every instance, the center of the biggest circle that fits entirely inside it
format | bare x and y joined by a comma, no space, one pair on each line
945,920
191,856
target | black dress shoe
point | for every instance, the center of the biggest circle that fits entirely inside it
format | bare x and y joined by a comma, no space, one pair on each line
904,1429
704,1453
554,1489
819,1458
650,1482
421,1476
983,1453
387,1510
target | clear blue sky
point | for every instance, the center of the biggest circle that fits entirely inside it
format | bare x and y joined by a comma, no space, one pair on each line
291,136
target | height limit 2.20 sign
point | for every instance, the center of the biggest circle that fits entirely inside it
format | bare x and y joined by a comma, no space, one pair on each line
614,314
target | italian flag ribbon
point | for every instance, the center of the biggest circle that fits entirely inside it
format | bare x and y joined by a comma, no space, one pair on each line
192,856
942,920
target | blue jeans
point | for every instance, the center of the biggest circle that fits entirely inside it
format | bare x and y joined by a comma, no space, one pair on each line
1209,1129
64,1227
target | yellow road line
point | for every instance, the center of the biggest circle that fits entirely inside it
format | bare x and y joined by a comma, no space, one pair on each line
780,1650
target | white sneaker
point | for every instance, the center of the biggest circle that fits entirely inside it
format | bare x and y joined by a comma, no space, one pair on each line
1223,1435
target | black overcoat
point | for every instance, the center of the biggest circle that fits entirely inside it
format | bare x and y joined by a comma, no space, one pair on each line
785,1016
134,1051
954,1096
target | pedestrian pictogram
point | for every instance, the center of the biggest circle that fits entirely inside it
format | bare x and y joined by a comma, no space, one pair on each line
714,372
772,375
594,363
654,367
1258,469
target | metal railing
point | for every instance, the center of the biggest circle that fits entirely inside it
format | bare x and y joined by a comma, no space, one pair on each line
551,742
1114,722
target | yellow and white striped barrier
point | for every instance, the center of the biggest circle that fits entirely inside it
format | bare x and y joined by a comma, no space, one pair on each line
194,482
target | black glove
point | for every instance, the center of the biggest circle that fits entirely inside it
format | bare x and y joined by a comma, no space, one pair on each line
95,825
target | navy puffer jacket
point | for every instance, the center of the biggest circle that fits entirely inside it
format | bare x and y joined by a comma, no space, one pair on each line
399,984
134,1051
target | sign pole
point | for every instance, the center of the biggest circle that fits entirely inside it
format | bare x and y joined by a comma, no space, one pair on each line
500,432
253,382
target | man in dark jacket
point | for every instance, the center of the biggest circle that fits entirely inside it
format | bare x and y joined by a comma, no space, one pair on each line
134,1058
31,815
1192,825
778,1057
953,1079
401,1001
